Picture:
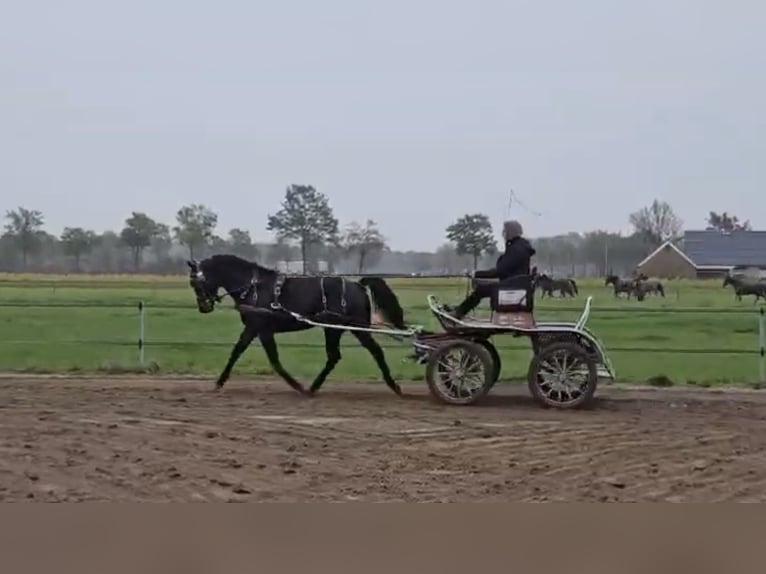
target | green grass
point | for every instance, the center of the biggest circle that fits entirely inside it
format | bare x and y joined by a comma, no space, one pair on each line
101,333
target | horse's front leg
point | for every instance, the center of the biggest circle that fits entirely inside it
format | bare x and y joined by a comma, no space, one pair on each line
332,348
270,346
376,351
245,338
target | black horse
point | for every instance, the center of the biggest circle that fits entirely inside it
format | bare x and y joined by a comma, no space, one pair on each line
744,286
629,286
564,286
265,300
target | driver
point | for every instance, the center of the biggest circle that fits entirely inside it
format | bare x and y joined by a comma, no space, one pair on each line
514,261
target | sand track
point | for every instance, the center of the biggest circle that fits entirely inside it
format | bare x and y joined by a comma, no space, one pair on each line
130,439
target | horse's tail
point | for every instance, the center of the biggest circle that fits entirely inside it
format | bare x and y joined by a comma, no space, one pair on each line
574,286
660,288
385,300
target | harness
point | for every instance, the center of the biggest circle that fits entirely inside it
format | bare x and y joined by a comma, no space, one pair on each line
342,296
279,282
251,289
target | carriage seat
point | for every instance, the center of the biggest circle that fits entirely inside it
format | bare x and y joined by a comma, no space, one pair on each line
513,301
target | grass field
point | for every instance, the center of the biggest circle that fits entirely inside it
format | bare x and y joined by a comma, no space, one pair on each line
90,323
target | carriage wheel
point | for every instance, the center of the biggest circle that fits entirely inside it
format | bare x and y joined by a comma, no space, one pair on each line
492,350
460,372
563,375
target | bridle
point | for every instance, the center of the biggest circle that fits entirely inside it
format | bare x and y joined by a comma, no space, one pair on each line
199,283
243,291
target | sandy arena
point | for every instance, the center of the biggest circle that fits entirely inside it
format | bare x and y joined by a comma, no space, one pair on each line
129,439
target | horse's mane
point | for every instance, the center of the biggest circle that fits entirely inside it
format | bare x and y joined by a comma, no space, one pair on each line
221,260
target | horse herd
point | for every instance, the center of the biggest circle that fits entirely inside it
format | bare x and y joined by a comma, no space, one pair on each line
640,286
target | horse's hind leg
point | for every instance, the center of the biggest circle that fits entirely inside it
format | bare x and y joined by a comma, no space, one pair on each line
332,347
270,346
245,338
376,351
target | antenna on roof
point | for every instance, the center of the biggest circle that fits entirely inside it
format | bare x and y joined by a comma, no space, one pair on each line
511,197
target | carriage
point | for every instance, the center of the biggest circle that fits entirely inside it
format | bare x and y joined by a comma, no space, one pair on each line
563,352
463,364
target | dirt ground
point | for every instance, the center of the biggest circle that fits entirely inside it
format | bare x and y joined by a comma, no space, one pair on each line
130,439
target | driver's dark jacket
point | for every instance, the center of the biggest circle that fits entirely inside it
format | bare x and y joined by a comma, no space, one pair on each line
514,261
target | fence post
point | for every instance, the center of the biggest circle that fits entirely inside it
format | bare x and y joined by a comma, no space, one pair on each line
141,333
762,345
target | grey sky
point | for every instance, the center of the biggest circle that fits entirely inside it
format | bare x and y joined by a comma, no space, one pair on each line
408,112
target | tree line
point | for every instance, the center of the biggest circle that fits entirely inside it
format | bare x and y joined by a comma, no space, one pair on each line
309,239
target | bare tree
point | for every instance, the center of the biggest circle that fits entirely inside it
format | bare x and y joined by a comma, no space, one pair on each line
657,223
366,243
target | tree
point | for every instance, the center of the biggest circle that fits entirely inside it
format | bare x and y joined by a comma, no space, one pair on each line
366,243
241,243
657,223
305,216
726,223
138,233
472,235
196,224
25,228
161,243
77,242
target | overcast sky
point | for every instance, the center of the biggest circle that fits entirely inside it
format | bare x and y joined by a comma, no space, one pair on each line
411,112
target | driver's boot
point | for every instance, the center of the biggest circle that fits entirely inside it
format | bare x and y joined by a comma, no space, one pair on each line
466,306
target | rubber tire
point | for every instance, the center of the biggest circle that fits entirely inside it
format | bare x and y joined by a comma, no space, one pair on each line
474,349
498,364
572,349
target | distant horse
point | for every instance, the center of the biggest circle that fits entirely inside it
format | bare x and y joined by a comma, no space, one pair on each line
648,286
746,287
564,286
331,300
629,286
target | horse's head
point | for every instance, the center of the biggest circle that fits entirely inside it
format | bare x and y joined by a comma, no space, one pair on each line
610,279
728,280
238,277
204,285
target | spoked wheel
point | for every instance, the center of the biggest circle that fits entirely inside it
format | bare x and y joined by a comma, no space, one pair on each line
563,375
460,372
